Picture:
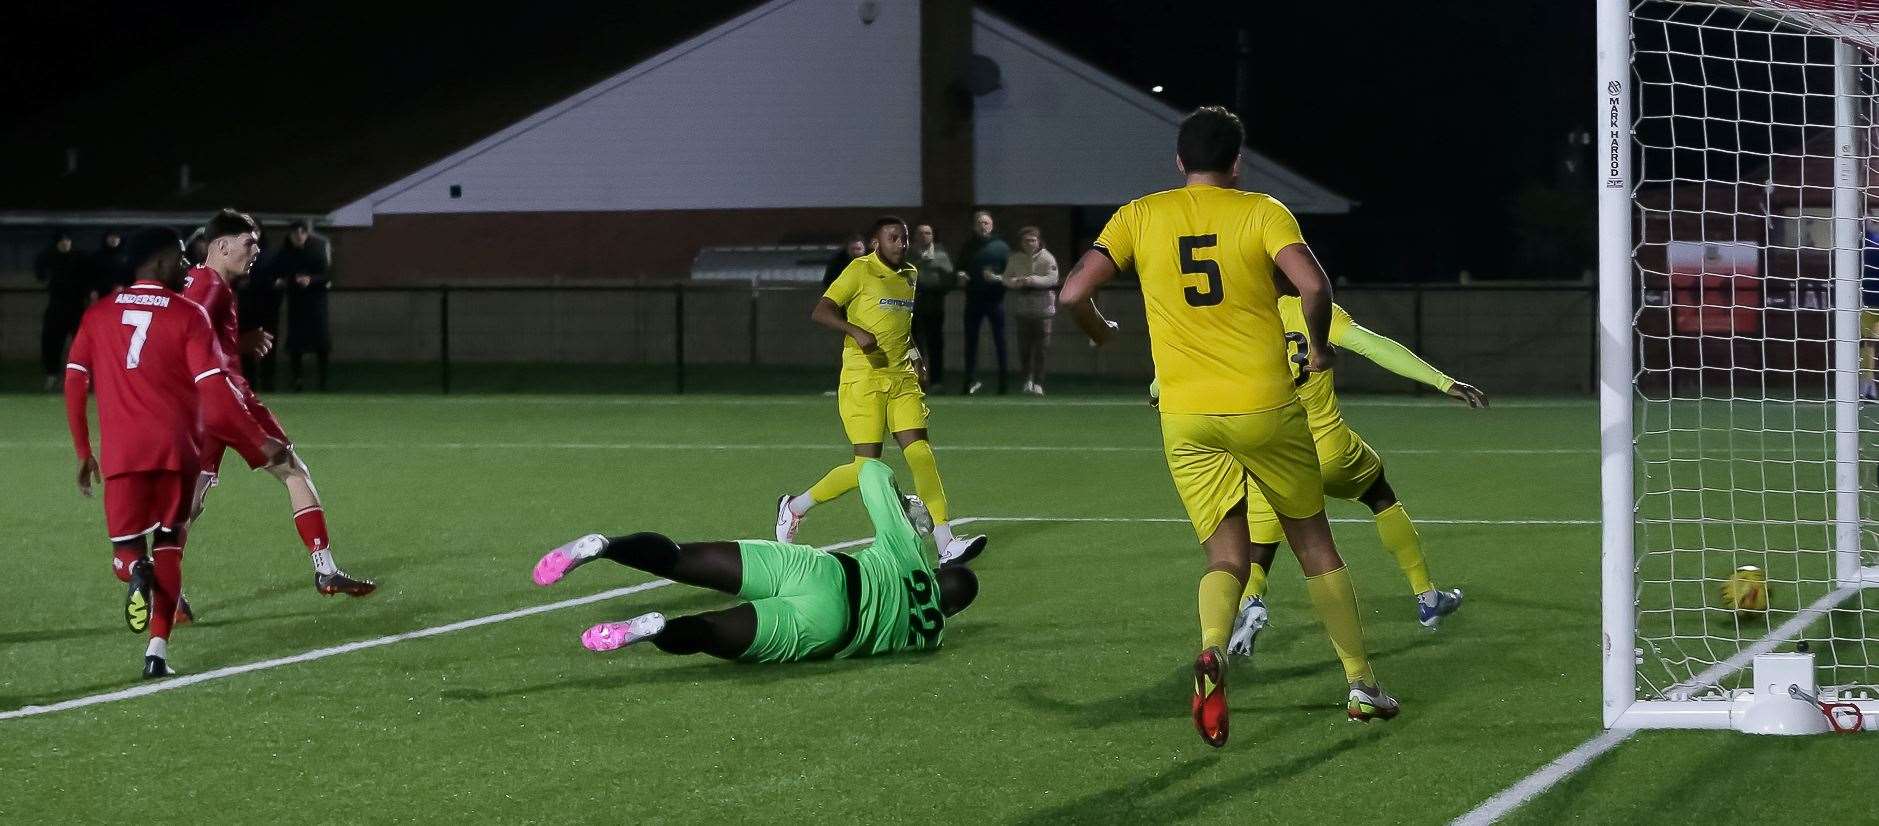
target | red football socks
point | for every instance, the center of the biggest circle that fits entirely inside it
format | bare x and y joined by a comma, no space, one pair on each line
122,559
165,591
311,523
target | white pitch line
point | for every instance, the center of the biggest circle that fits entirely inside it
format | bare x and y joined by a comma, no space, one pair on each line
822,446
801,400
186,680
698,401
1340,519
1549,775
1568,764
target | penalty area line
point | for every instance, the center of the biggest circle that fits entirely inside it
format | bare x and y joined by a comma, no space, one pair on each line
186,680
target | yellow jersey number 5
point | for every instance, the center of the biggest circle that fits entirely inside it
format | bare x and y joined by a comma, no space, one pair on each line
1215,292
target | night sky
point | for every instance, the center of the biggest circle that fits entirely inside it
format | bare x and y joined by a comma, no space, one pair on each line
1448,120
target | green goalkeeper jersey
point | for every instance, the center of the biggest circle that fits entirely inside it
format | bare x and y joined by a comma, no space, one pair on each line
900,600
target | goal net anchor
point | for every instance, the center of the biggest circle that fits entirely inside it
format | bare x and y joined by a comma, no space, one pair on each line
1772,707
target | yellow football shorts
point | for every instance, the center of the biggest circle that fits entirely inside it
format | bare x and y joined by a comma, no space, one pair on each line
1349,467
1215,460
872,405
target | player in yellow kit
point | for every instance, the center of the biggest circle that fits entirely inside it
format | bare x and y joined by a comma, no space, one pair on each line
1230,415
871,304
1351,470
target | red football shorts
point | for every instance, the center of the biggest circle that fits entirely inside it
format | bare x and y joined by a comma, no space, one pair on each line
138,503
212,448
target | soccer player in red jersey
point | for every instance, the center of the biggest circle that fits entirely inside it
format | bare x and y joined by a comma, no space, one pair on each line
161,384
233,241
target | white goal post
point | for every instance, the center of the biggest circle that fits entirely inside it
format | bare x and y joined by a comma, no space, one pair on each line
1736,170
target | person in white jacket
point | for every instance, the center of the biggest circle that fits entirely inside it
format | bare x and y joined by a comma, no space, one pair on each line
1031,275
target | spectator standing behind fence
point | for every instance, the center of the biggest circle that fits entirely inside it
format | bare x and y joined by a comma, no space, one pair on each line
937,278
258,306
110,267
308,258
196,249
1031,273
982,263
69,287
855,247
851,249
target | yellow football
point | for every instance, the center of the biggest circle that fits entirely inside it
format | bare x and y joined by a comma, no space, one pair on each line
1746,590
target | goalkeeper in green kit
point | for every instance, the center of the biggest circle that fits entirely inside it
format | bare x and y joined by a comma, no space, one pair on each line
800,603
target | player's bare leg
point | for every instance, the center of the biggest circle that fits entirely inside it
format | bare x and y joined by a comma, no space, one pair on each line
1399,537
953,550
1219,589
718,566
310,523
1336,603
725,634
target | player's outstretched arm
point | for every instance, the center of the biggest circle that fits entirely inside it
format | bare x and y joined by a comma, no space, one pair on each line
1391,355
1078,295
1468,393
1307,277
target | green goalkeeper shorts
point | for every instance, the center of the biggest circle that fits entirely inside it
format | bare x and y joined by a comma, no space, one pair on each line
801,600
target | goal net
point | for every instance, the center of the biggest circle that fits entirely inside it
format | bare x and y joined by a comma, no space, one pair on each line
1734,214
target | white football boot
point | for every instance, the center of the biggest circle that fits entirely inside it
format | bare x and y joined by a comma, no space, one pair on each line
787,522
1251,619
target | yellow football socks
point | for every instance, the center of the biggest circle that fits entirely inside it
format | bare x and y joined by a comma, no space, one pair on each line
842,479
926,478
1219,602
1336,603
1255,582
1400,539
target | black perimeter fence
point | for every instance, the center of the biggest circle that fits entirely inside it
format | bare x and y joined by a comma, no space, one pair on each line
705,337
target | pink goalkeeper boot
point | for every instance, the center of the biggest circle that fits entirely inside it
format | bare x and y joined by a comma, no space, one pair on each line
610,635
557,563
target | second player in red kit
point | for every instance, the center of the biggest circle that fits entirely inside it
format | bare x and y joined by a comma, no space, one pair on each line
161,386
233,242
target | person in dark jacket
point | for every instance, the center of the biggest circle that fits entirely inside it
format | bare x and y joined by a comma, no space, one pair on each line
982,265
196,249
938,276
305,263
110,267
69,288
258,305
855,247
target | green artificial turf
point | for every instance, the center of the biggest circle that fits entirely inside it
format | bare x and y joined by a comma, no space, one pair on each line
1061,697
